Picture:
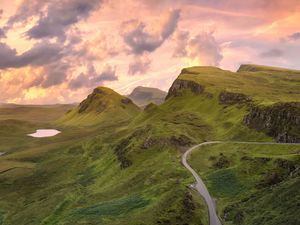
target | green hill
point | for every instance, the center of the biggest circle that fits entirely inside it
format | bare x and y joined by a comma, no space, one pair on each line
246,105
143,96
115,164
102,106
263,86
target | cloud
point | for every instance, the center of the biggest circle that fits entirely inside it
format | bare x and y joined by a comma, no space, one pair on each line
272,53
140,65
42,53
99,47
139,40
47,56
108,74
181,38
2,33
202,48
55,17
26,10
294,36
55,74
91,78
79,82
205,49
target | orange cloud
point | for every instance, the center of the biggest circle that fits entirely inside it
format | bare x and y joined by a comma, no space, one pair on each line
135,37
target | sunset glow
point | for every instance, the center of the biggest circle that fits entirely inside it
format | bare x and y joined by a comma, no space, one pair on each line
57,51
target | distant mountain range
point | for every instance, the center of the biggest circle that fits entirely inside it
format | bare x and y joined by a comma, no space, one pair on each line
142,96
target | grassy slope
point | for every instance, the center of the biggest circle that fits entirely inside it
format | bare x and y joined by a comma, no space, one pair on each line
104,106
243,189
242,198
76,178
82,183
266,87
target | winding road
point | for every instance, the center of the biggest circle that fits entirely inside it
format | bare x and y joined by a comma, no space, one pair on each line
200,186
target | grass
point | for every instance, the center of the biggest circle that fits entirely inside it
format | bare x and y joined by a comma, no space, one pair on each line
225,183
114,164
75,177
264,86
102,106
42,114
241,185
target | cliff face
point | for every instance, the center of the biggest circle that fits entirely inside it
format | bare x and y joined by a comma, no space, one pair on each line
179,85
226,97
281,121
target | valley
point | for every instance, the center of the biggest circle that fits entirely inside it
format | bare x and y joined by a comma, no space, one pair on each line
118,163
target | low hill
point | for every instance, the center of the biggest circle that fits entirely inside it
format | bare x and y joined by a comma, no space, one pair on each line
102,105
262,68
34,113
143,96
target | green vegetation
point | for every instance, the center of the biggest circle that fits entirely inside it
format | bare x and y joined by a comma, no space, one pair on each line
32,113
247,190
77,177
116,164
102,106
265,86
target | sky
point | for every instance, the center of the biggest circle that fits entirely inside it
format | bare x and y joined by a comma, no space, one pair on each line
58,51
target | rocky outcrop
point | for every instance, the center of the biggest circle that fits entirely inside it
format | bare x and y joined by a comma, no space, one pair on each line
230,98
161,142
179,85
181,141
221,162
281,121
188,203
126,101
150,107
84,105
121,152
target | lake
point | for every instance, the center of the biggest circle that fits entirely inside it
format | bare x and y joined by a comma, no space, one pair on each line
40,133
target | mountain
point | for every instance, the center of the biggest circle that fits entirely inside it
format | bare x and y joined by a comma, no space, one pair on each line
116,164
142,96
255,103
262,85
102,105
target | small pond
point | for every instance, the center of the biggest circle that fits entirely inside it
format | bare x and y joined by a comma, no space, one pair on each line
40,133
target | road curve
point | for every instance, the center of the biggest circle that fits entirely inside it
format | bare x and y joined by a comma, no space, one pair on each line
200,186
